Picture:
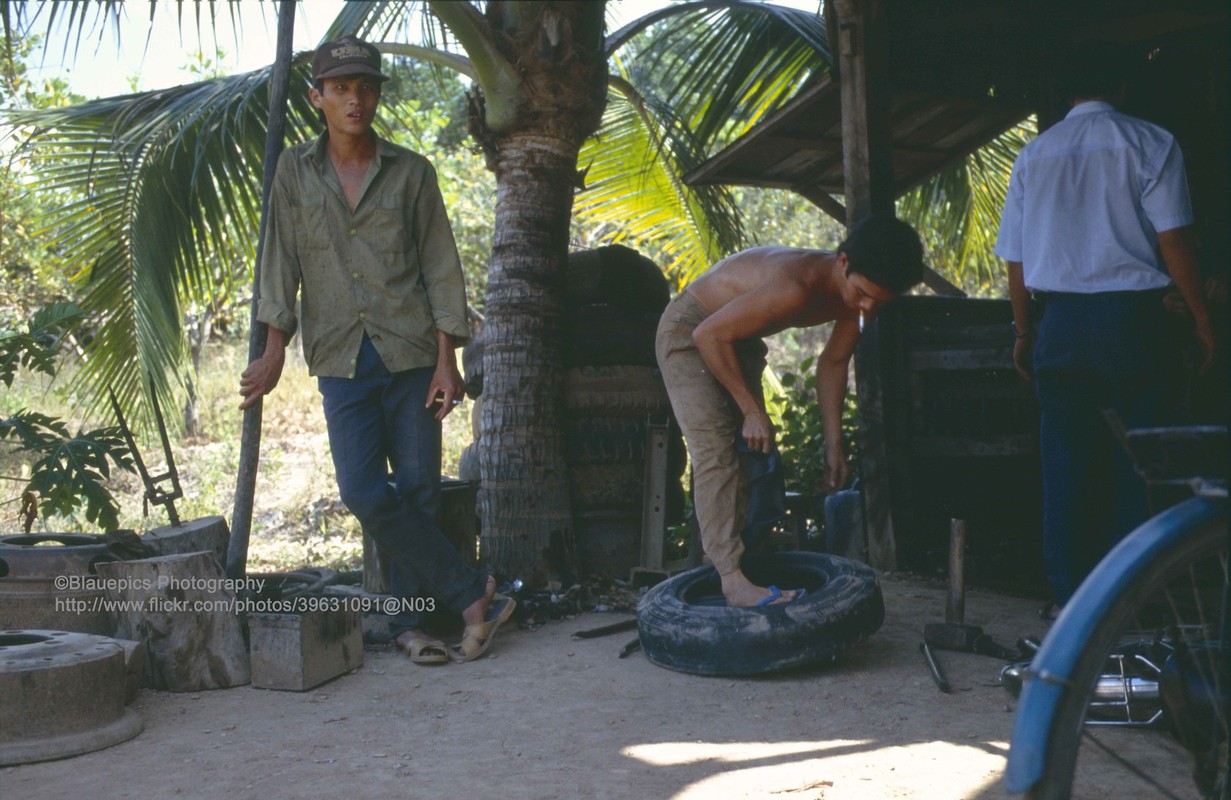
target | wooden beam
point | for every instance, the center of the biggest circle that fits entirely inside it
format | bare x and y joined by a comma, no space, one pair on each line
905,124
940,284
865,131
753,138
868,177
823,200
785,142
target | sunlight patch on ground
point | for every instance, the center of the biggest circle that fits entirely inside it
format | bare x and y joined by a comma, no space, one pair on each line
664,754
826,770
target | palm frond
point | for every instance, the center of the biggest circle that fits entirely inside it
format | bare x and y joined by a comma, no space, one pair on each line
374,21
84,19
166,184
22,19
706,74
633,188
959,210
723,66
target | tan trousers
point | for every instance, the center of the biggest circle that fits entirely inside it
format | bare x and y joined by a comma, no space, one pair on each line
711,422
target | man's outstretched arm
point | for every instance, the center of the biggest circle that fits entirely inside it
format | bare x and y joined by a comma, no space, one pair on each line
447,383
263,374
1019,302
831,369
1179,253
747,317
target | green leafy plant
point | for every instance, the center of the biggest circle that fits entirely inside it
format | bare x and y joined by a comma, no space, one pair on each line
69,471
36,349
801,435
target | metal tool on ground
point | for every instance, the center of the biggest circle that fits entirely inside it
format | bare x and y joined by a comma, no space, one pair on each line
607,630
630,648
938,674
954,634
966,639
153,493
615,627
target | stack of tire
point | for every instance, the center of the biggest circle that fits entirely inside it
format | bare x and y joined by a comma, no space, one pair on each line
613,391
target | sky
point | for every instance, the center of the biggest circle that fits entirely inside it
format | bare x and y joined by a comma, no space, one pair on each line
98,68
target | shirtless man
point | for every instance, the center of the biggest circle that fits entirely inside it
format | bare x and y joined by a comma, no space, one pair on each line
711,355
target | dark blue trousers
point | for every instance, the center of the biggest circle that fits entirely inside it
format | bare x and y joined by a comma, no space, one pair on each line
1109,350
766,492
377,422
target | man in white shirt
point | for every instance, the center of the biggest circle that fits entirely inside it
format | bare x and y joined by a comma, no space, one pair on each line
1097,227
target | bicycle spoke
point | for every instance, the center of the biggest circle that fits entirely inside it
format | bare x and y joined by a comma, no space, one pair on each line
1128,765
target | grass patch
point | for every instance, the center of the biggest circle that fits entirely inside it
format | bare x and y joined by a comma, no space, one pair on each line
298,519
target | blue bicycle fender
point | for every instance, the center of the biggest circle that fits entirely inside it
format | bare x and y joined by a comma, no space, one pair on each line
1052,667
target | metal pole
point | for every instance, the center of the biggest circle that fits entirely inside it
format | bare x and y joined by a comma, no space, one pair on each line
250,436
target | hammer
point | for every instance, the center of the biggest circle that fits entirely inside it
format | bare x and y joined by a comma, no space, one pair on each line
953,633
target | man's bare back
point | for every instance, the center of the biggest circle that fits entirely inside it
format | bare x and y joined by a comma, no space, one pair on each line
799,283
751,295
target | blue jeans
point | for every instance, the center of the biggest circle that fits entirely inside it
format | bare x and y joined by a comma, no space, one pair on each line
766,492
1109,350
377,422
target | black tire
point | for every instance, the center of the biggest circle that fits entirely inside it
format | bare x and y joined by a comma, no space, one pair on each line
605,440
685,624
608,542
617,275
603,335
1179,592
616,391
598,487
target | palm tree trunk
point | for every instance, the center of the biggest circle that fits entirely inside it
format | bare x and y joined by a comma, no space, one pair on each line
524,501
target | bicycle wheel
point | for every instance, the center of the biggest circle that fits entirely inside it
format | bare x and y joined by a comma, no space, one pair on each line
1145,712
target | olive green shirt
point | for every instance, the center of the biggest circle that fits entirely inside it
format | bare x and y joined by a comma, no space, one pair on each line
391,268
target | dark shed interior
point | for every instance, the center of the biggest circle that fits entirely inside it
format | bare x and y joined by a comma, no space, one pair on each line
947,76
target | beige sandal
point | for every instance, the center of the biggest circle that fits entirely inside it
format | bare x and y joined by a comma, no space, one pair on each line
424,649
477,638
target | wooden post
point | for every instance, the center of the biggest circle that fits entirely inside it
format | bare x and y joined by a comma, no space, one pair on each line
868,173
955,603
250,432
863,73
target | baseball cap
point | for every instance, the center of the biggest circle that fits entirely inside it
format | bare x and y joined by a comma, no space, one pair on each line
349,55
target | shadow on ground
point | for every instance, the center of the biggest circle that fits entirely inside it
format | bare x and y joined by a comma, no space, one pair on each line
548,716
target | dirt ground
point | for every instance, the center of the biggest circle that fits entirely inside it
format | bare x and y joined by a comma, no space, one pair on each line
549,716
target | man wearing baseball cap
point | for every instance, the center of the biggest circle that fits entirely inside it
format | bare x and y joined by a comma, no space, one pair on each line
349,55
358,230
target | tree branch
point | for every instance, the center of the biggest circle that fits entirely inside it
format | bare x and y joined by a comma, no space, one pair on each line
453,61
500,80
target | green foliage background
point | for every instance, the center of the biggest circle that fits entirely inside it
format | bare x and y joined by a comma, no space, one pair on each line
425,109
801,435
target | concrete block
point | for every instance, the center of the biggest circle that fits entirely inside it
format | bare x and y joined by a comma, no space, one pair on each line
183,610
298,651
134,667
373,621
209,534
